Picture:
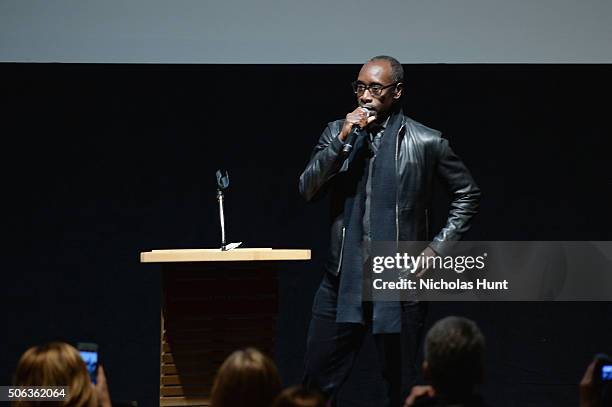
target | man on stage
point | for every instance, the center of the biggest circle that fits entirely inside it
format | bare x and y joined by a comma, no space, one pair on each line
379,166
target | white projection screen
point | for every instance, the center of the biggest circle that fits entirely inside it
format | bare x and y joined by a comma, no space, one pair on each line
305,32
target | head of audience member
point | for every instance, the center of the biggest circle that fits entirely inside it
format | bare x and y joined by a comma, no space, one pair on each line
56,364
299,396
247,377
454,352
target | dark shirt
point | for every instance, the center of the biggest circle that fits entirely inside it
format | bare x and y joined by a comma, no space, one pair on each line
375,137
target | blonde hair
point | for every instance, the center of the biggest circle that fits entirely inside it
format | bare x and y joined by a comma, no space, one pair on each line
55,364
247,377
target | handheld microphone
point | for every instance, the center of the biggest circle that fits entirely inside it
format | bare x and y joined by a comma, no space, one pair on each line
354,134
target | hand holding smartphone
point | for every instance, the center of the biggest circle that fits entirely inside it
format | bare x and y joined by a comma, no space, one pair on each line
603,368
603,378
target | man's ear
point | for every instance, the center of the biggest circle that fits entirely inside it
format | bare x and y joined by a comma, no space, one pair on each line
425,370
399,88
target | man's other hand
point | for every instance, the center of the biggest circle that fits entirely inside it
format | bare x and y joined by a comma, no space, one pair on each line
428,252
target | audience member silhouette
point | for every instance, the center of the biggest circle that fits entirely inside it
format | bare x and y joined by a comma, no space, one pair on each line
454,350
247,377
60,364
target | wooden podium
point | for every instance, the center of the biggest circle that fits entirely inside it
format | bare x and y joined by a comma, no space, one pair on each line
213,302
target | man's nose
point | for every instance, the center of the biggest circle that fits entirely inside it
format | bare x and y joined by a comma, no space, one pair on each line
366,96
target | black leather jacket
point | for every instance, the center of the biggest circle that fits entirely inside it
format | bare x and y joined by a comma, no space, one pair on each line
420,155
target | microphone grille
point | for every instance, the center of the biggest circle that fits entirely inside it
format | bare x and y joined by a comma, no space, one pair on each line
369,111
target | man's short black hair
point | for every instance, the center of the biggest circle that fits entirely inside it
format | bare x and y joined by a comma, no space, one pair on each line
397,70
454,348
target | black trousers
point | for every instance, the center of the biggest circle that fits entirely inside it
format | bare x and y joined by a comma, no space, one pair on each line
332,346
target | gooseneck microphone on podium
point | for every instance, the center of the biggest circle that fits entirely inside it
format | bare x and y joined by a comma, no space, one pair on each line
222,184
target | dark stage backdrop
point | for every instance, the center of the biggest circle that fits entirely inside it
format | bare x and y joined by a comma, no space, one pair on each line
101,162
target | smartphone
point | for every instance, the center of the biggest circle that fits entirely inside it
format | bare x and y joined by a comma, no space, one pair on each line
603,368
603,378
89,353
606,372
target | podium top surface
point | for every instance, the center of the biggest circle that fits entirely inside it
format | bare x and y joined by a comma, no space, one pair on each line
240,254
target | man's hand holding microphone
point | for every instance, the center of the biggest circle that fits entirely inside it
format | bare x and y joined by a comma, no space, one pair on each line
356,120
